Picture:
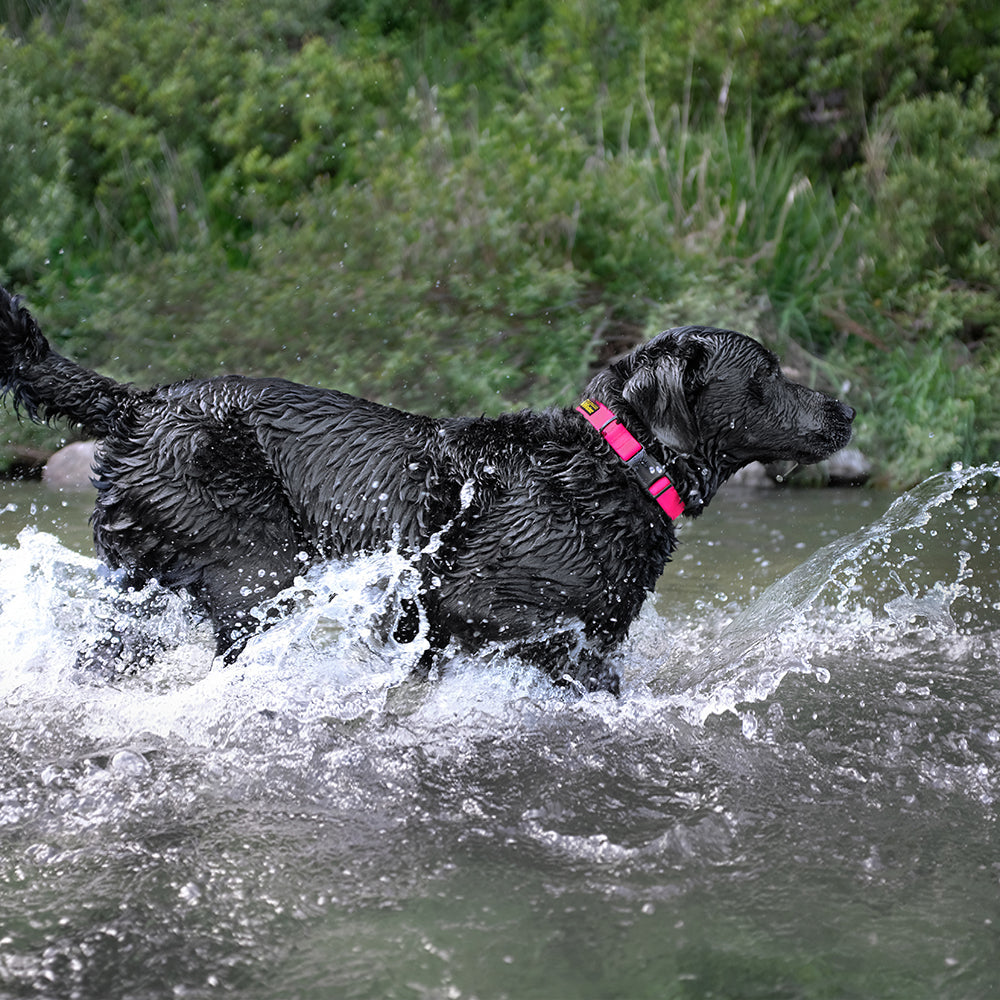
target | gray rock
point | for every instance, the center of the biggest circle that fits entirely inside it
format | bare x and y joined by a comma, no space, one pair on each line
754,476
848,467
71,467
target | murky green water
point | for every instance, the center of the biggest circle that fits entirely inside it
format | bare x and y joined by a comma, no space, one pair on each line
796,795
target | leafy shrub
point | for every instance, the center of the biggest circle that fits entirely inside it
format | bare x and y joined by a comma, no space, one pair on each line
933,175
922,409
36,206
462,207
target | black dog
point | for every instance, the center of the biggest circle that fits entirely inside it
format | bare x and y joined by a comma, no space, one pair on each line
543,531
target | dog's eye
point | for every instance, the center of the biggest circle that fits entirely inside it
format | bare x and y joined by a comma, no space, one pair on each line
761,382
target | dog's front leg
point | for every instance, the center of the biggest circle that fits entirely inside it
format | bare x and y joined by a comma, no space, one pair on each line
128,640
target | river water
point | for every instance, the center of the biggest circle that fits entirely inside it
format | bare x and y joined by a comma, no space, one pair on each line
796,795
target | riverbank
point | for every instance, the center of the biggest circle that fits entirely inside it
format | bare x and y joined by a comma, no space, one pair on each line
464,211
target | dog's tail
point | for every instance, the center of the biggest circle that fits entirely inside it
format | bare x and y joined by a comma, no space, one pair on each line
46,385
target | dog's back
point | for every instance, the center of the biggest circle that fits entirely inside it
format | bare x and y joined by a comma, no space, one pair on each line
232,486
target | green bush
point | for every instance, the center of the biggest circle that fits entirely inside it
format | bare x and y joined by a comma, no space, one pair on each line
36,205
933,177
463,207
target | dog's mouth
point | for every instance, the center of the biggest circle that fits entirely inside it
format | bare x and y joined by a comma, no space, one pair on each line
844,425
821,449
833,434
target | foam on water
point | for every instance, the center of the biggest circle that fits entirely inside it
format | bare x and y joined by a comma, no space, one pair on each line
925,563
53,602
328,661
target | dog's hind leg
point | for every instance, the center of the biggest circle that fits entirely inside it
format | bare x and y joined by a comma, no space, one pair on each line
242,606
194,503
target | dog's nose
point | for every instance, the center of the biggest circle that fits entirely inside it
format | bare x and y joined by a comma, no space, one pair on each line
849,411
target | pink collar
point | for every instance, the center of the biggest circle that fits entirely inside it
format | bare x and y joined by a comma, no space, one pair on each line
650,473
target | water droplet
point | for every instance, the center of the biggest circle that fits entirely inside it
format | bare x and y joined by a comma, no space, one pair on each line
130,763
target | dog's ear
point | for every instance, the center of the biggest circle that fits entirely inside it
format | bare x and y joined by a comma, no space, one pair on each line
652,382
663,384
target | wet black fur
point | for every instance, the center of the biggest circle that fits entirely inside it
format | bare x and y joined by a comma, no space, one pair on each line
523,527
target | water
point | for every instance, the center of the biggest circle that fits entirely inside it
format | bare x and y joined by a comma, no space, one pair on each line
795,797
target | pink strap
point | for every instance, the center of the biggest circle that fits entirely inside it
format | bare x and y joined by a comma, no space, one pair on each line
667,497
626,447
612,430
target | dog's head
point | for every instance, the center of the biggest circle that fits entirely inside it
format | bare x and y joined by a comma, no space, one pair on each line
719,397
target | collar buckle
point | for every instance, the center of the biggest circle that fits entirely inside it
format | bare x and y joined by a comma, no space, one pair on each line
633,456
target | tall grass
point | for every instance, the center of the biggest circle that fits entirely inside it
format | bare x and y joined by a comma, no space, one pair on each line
17,15
748,205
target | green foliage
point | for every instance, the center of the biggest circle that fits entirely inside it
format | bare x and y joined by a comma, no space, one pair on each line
751,209
461,206
820,70
923,409
933,174
299,119
36,206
